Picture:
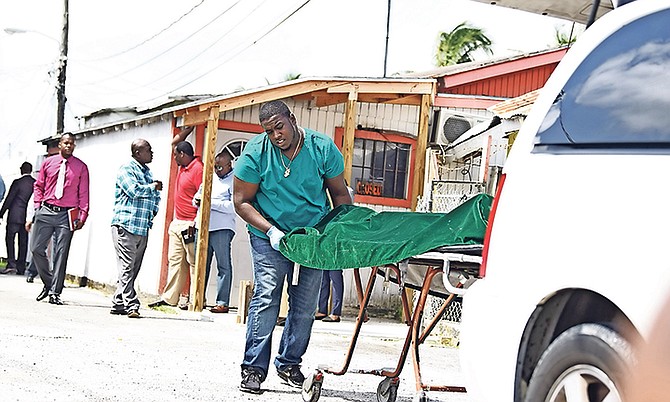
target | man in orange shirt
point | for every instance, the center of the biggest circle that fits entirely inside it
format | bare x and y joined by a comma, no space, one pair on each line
181,232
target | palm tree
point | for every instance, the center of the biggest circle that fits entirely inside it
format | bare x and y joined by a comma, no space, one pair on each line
459,45
292,76
563,39
287,77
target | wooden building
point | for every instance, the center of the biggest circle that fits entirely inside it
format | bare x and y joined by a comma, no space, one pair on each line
392,133
385,111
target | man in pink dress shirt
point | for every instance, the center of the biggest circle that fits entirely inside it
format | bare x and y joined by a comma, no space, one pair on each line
61,186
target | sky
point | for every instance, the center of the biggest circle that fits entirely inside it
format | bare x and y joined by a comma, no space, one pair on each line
138,53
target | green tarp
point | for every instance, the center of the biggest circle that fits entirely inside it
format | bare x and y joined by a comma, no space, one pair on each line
357,237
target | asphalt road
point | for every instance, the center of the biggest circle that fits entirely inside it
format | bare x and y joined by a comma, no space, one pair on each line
79,352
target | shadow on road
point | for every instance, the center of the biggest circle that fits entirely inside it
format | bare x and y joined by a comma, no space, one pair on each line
356,396
163,316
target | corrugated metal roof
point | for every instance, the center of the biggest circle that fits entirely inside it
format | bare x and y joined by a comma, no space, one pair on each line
475,65
520,105
506,77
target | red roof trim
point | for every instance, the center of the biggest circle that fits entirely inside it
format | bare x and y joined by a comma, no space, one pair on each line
507,67
471,103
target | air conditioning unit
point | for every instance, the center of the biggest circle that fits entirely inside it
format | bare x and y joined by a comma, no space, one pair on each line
450,125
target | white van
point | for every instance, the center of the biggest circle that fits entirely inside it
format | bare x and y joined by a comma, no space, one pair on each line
577,258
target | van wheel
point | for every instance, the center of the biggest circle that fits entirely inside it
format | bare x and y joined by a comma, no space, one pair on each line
586,363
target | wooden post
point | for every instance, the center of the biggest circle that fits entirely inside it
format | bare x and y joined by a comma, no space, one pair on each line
283,304
419,168
349,131
421,145
244,298
202,242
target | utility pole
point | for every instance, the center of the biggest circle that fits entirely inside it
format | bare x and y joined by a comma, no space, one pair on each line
388,26
62,65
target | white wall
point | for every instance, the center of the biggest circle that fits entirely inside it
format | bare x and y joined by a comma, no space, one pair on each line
92,253
402,118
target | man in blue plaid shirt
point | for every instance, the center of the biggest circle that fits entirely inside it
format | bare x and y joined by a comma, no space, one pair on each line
136,201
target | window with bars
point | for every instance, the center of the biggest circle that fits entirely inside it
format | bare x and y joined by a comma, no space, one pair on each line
380,168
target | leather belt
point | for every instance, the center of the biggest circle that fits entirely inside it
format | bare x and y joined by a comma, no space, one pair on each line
54,208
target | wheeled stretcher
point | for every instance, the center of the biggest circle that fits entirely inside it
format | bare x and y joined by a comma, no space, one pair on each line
434,254
444,272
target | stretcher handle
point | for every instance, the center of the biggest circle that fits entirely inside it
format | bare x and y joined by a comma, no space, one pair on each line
296,274
445,279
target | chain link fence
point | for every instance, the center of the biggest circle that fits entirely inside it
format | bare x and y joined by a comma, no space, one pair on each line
444,196
447,330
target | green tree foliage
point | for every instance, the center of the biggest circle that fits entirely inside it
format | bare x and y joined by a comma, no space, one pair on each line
459,45
292,76
563,38
287,77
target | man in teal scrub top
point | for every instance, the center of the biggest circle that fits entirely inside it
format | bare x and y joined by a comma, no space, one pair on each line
281,180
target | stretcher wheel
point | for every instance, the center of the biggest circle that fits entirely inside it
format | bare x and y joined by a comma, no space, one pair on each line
311,387
422,397
387,390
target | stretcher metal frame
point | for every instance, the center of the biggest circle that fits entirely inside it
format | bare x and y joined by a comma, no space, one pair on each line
456,263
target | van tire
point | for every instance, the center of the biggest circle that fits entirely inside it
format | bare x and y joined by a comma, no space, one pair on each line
592,353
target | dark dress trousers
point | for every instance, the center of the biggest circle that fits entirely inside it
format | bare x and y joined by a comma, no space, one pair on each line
16,203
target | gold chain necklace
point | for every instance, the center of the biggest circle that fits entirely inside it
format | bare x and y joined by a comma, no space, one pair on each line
287,168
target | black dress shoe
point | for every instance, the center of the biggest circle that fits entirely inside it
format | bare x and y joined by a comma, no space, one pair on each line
158,303
55,299
43,294
30,279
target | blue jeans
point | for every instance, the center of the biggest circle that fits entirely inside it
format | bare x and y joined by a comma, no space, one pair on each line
219,245
271,269
338,290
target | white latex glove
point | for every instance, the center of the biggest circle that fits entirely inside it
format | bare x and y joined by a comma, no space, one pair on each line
351,193
275,235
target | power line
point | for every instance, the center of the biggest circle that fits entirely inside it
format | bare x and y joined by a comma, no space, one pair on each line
220,38
230,58
191,59
206,48
27,83
27,69
46,99
48,122
161,53
146,40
